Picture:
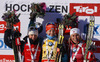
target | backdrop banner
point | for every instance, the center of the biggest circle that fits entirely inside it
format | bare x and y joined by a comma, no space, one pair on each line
55,9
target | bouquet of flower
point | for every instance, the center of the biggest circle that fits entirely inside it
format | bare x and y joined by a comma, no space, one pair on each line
10,18
37,10
70,20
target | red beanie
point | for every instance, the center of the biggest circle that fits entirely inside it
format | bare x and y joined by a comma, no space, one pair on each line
49,27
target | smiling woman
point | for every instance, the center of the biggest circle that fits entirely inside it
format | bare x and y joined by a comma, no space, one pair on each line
30,45
75,35
49,47
77,48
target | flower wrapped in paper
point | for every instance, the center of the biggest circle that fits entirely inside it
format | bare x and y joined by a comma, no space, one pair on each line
38,10
11,18
71,20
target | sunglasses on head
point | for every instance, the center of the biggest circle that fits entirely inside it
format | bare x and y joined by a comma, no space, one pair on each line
32,28
50,23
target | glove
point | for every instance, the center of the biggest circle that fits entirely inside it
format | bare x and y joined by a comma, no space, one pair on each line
90,56
32,16
17,34
92,47
60,46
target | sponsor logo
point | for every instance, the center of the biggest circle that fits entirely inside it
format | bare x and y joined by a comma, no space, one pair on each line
7,58
3,46
3,26
17,7
85,9
25,8
57,9
97,29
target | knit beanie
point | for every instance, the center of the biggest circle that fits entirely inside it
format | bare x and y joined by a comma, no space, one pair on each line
33,30
74,30
50,26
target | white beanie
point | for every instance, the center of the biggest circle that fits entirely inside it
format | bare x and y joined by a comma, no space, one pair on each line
74,30
33,31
